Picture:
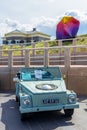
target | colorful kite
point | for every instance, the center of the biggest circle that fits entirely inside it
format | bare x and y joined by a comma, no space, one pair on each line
67,28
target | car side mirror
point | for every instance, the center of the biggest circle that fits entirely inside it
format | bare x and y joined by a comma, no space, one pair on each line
15,79
19,75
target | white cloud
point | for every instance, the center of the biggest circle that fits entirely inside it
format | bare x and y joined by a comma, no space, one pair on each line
51,1
82,16
11,23
8,25
44,21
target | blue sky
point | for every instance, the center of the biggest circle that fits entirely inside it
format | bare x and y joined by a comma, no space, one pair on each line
42,14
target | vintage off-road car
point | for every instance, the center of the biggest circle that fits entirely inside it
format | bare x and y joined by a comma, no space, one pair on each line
43,89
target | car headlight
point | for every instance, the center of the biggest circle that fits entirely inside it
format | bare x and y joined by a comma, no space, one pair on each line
26,101
72,98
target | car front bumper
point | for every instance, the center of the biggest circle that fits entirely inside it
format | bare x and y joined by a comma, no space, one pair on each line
48,108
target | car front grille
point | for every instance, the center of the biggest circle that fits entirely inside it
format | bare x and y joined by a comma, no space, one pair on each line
49,99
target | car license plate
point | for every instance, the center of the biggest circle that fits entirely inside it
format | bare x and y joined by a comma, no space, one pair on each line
48,101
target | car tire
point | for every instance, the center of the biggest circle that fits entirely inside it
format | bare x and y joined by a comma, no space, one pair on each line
16,99
68,112
19,102
23,116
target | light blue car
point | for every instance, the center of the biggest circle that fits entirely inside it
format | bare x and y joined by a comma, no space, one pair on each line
43,89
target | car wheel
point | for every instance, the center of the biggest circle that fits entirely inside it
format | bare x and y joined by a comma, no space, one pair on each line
23,116
16,99
69,112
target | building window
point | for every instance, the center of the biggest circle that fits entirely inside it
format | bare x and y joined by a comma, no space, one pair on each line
22,41
6,42
13,42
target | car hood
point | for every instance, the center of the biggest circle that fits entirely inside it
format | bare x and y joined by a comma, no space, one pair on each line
44,86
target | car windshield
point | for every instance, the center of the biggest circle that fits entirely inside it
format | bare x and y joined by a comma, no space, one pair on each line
40,74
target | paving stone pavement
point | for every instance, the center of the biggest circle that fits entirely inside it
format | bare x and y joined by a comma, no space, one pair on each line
10,117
